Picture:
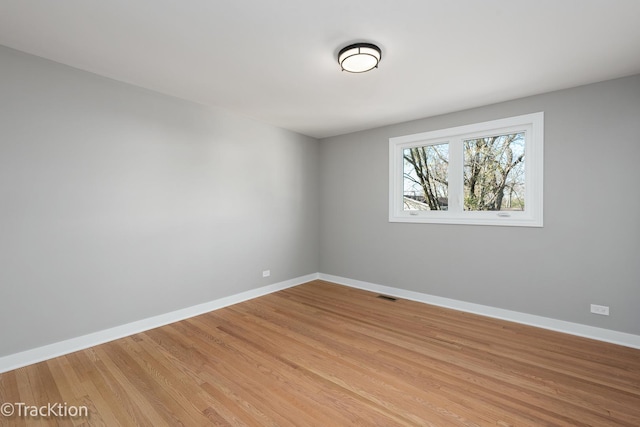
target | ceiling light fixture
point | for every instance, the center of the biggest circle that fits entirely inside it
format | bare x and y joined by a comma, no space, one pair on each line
359,57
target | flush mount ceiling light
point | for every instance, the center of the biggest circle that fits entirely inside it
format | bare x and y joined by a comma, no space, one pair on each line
359,57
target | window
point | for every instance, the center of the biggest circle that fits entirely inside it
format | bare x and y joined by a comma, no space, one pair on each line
487,173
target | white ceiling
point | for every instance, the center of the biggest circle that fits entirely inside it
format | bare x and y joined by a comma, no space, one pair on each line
275,60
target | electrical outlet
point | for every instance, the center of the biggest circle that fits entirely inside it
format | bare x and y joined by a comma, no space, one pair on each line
600,309
266,273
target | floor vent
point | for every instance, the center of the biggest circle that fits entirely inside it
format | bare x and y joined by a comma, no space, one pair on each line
388,298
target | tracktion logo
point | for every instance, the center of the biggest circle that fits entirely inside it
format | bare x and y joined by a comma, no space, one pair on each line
50,410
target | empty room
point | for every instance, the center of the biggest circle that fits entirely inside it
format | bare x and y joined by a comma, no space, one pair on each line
320,213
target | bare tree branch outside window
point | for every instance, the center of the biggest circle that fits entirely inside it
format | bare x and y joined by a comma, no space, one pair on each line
426,172
494,173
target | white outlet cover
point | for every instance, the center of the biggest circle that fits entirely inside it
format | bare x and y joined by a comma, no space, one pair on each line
600,309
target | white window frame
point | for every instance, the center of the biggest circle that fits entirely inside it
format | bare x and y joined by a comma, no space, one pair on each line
533,127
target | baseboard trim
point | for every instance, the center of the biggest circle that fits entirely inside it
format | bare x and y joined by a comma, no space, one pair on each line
600,334
39,354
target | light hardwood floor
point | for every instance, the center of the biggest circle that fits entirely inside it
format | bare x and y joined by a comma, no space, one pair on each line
321,354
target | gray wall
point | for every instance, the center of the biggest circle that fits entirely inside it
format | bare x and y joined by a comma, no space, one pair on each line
117,204
587,252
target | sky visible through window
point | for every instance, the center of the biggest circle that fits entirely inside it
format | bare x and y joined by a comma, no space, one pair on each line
494,174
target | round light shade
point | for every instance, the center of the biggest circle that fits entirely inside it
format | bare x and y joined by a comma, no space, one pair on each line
359,57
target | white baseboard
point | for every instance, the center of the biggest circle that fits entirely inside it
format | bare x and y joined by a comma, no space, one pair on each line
28,357
600,334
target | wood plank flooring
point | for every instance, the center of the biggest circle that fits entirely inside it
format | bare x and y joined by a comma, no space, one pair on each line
321,354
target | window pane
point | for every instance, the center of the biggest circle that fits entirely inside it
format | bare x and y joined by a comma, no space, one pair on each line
494,173
426,177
